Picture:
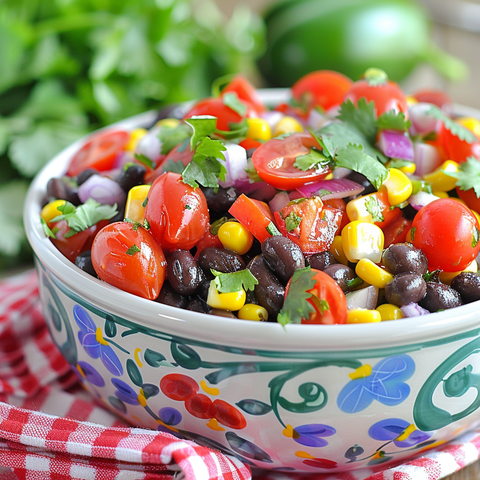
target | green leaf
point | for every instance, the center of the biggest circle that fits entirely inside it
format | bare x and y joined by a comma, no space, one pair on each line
296,305
314,160
458,130
468,175
360,116
237,131
84,216
353,157
326,143
46,229
170,137
273,230
393,121
173,166
373,208
234,282
230,99
132,250
203,126
292,221
145,160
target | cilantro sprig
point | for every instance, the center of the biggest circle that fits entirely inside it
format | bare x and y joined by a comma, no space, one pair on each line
235,281
458,130
468,175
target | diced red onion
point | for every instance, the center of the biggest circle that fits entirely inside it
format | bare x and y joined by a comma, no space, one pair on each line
278,201
235,163
420,199
421,122
413,310
395,144
338,188
427,158
341,172
102,189
263,192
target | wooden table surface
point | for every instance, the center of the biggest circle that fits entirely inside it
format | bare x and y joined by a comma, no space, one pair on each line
471,472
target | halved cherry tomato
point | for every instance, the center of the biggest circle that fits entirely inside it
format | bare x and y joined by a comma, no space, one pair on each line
470,198
246,92
448,234
99,153
323,88
309,224
437,97
327,299
177,213
249,143
274,161
396,231
457,149
129,258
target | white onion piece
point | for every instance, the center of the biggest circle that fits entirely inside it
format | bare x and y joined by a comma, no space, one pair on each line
338,188
150,145
235,163
104,190
421,122
395,144
272,117
278,201
426,158
413,310
420,199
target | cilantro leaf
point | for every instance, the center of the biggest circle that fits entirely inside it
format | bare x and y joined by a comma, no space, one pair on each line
314,159
84,216
292,221
296,305
46,229
203,126
354,157
373,208
326,143
173,166
237,130
145,160
170,136
132,250
393,121
273,230
360,116
235,281
458,130
231,100
468,175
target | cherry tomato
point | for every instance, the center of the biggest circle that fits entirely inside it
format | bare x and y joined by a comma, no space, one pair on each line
208,240
274,161
448,234
327,299
99,153
470,198
246,92
309,224
215,107
386,95
457,149
396,231
323,88
436,97
129,258
177,213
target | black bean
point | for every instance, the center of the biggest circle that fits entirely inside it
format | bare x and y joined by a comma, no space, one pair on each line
403,257
84,261
341,274
131,177
183,272
63,189
168,296
282,256
467,284
321,260
362,180
84,175
220,201
196,304
269,291
440,297
405,288
220,259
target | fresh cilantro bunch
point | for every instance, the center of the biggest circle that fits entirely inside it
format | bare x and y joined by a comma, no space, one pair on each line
69,67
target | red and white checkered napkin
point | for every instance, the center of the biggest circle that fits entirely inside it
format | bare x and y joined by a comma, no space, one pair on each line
53,429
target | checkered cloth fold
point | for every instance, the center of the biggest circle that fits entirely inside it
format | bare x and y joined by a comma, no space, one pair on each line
53,429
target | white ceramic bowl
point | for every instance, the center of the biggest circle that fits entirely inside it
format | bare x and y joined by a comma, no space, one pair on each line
306,397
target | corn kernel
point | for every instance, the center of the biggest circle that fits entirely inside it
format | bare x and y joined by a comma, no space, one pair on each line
362,240
440,194
258,129
231,301
236,237
250,311
168,122
373,274
135,136
50,210
336,249
287,125
473,124
398,185
389,312
362,315
411,100
135,206
439,179
447,277
477,216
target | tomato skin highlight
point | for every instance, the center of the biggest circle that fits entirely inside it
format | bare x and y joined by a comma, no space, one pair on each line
274,161
447,233
176,212
141,273
99,153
